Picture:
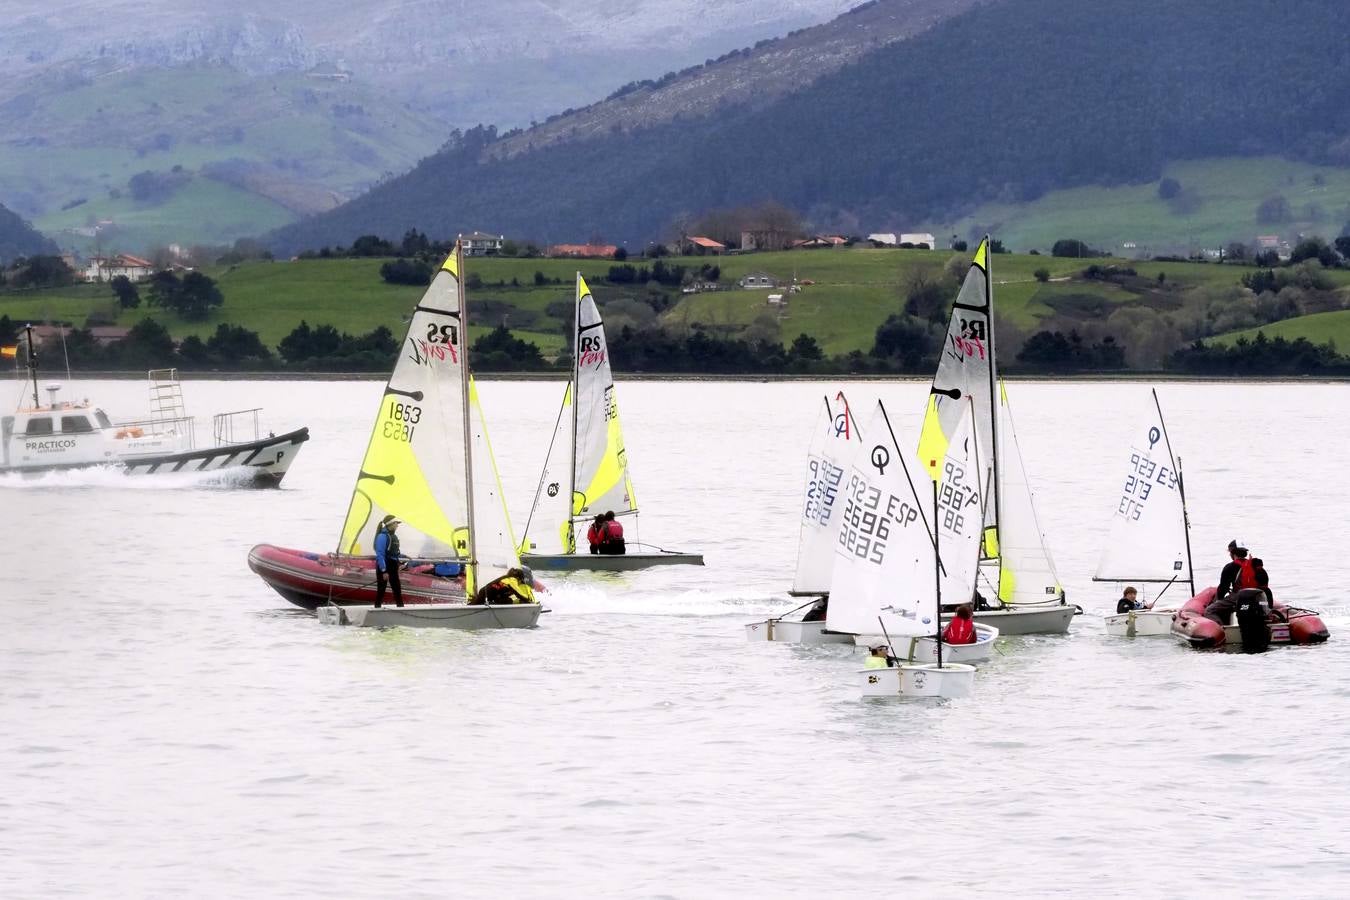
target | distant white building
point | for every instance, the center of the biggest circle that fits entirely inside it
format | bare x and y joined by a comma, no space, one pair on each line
883,237
106,268
919,238
480,244
757,281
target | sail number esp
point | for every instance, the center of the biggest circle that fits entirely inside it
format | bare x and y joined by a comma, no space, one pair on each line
400,423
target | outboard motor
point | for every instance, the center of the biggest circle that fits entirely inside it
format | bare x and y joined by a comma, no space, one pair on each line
1251,620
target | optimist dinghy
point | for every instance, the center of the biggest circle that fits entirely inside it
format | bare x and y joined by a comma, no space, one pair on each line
835,438
1150,540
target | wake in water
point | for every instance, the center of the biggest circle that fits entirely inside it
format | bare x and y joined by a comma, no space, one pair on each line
110,477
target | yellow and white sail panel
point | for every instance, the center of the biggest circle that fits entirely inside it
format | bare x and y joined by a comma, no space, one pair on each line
1026,572
601,483
550,530
1148,524
835,438
883,556
414,463
494,543
964,377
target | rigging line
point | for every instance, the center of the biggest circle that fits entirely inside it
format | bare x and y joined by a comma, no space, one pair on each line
543,472
1181,489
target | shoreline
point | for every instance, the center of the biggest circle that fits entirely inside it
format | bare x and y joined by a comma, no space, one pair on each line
562,377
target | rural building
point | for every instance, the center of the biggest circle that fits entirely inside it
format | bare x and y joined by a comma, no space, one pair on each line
584,251
697,244
480,244
885,238
776,300
820,240
106,268
918,238
757,281
50,335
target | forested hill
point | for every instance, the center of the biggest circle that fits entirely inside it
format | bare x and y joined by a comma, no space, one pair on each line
18,238
1004,102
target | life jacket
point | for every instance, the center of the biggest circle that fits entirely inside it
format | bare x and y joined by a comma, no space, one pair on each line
959,631
1246,576
613,531
507,589
594,535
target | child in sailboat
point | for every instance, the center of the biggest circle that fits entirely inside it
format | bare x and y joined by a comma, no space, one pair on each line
1129,601
595,535
879,658
513,587
961,629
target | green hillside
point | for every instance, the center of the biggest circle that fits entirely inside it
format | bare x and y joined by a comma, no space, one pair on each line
1318,328
263,151
845,295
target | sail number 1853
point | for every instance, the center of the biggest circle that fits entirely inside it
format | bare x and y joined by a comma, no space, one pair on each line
402,418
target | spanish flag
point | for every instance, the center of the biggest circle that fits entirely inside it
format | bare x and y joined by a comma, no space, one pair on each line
10,352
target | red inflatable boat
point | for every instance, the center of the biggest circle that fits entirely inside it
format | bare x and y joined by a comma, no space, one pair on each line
1287,624
312,580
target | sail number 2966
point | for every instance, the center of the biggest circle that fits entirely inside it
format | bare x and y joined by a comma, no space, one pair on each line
401,421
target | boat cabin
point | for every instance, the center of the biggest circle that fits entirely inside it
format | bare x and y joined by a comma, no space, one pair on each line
67,434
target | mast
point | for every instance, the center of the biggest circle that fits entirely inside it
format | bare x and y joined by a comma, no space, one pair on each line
937,577
993,407
33,365
468,433
1181,489
576,376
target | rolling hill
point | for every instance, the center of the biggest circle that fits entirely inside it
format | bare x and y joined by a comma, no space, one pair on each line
18,238
1002,104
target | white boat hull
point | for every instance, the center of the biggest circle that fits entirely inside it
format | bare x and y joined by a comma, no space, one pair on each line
441,615
794,632
601,562
1140,623
919,680
1028,619
924,650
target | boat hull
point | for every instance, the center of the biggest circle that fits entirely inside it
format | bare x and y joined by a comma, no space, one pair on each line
310,580
262,463
1029,619
601,562
458,616
924,649
1140,623
919,681
1288,625
794,632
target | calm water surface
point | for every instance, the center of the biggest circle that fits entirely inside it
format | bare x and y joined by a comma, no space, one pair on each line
172,728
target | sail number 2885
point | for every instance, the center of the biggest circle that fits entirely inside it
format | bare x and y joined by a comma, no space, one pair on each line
402,418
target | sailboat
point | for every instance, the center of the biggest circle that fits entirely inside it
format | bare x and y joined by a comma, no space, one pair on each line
586,470
897,555
1150,541
429,464
833,441
1016,567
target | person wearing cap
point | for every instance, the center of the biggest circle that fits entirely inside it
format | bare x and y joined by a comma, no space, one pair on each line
1236,576
387,558
879,658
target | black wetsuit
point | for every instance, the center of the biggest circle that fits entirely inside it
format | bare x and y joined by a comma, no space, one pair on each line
389,572
1225,601
817,612
1123,605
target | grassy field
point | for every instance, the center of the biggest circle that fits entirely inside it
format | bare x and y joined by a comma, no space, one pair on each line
1221,196
854,290
1318,328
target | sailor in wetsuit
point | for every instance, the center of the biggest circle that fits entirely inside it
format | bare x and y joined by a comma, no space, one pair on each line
1129,601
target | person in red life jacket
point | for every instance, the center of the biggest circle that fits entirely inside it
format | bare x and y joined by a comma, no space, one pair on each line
961,629
1238,575
612,541
595,535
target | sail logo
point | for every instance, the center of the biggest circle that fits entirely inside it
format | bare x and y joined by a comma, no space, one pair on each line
970,342
591,351
440,344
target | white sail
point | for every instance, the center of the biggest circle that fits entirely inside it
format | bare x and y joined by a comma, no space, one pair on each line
601,482
832,443
884,552
1148,526
549,530
1026,571
965,377
414,464
494,543
960,515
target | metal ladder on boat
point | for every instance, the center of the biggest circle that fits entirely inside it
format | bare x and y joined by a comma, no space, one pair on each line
167,409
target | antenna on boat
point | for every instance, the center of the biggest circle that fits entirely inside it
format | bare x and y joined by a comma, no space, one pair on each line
33,365
64,351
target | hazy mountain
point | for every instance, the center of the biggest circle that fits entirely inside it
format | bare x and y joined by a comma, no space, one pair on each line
18,238
1003,102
